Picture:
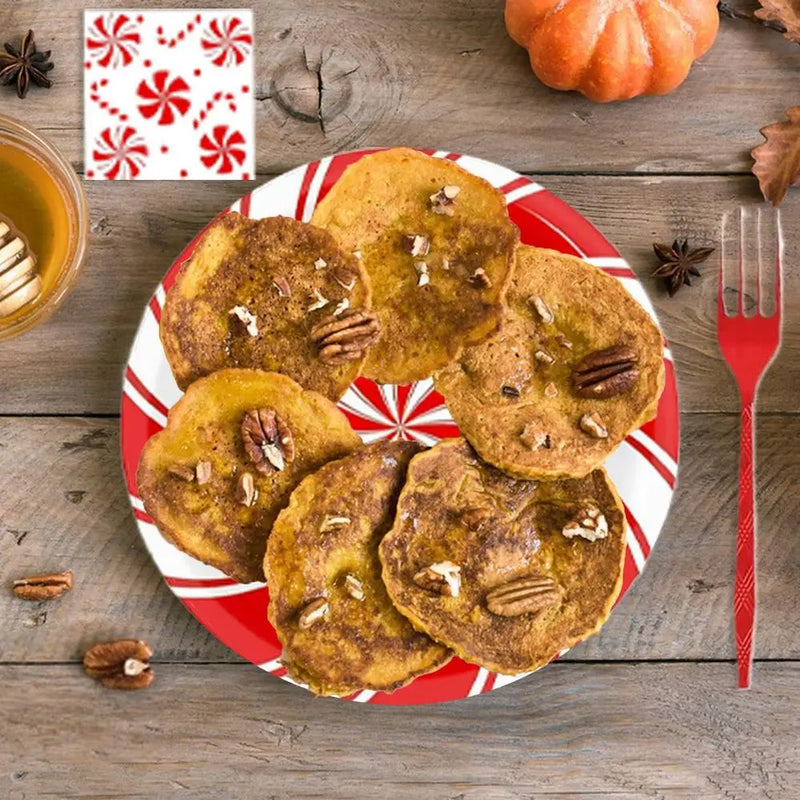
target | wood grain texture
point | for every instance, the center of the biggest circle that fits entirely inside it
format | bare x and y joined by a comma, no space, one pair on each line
336,76
65,507
572,732
73,363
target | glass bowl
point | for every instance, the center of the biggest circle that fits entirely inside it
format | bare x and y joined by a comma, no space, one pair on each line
16,134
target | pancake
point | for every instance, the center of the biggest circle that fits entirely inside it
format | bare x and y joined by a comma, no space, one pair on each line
254,293
533,400
506,573
439,266
324,549
216,477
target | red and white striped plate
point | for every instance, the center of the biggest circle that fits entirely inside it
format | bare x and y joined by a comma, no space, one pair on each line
644,468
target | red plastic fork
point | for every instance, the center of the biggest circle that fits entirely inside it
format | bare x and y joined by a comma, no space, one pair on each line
748,345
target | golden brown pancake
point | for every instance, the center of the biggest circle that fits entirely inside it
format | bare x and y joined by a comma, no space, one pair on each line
506,573
328,603
216,477
577,366
439,265
252,295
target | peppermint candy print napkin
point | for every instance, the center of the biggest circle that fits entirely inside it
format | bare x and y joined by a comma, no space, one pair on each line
168,94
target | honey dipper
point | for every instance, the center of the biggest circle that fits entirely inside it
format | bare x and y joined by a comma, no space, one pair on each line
20,283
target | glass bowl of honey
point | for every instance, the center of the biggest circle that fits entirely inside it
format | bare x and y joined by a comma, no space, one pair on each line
43,227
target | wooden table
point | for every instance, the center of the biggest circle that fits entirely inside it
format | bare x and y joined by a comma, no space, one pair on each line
646,709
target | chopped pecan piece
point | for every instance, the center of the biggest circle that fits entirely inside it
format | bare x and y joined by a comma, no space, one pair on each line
591,524
542,309
320,263
320,301
423,277
543,357
606,373
509,391
313,613
282,285
267,440
530,594
354,587
43,587
246,492
443,577
120,665
182,471
332,522
535,437
550,390
345,337
416,244
593,425
442,201
563,341
203,472
480,279
247,318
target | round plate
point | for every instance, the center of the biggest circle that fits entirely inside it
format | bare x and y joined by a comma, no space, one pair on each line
644,468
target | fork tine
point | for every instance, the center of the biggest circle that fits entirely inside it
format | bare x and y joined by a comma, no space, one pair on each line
721,271
778,260
759,263
740,296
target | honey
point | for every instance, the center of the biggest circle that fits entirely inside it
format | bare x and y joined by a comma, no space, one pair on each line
34,204
43,204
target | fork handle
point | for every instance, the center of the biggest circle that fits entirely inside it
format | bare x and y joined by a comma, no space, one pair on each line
744,599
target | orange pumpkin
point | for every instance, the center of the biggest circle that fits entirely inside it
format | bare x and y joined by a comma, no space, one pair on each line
613,49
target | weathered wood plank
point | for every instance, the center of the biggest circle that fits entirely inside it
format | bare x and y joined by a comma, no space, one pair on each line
64,506
573,732
73,363
448,75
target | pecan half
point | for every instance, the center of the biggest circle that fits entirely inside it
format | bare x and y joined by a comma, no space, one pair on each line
591,524
313,612
443,577
345,337
606,373
267,440
530,594
474,519
120,665
43,587
246,492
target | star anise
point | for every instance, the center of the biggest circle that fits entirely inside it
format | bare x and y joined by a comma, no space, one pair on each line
678,262
25,64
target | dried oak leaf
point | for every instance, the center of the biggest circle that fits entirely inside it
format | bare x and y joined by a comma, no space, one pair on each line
777,160
787,12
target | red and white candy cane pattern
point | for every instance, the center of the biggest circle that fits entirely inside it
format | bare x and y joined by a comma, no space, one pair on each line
179,77
227,42
120,153
112,40
644,468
